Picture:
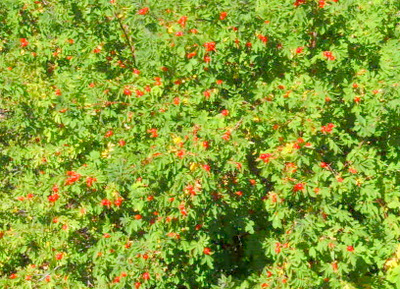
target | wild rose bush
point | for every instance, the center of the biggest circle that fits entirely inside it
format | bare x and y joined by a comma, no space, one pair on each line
199,144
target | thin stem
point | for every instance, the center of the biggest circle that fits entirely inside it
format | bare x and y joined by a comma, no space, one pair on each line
128,40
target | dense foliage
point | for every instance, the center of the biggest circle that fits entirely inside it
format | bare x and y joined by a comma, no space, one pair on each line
199,144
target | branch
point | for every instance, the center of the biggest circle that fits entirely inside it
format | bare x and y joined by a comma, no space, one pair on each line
132,48
237,125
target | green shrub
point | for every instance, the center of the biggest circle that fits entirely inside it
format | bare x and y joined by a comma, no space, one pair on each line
199,144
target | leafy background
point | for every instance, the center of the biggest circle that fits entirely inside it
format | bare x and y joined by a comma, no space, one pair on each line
271,164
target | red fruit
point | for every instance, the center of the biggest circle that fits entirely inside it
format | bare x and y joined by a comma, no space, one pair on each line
117,279
59,256
265,157
206,168
329,55
225,112
277,248
350,248
136,71
23,42
223,15
48,278
146,276
299,187
299,2
177,100
13,276
209,46
179,33
274,197
327,128
109,133
183,212
58,92
207,251
124,274
153,132
122,142
118,201
73,177
334,266
207,93
191,55
137,285
172,235
143,11
53,198
252,182
227,135
299,50
190,189
28,277
219,81
158,81
239,193
127,91
90,181
138,217
182,21
206,144
352,170
139,93
207,58
106,235
145,256
106,203
263,38
323,165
